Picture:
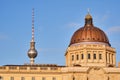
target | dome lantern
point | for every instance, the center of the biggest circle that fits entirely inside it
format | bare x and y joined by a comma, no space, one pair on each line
88,19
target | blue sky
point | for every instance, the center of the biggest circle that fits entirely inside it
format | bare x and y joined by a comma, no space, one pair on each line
55,23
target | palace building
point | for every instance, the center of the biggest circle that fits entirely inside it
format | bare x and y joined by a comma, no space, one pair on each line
89,56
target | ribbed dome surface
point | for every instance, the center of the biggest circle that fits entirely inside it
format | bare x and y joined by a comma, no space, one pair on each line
89,33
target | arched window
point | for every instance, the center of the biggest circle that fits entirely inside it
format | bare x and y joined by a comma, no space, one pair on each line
72,57
94,56
100,56
43,78
88,56
33,78
54,78
11,78
22,78
1,78
87,78
108,78
77,57
82,56
73,78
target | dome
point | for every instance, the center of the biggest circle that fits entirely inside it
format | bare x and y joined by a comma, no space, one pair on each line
89,33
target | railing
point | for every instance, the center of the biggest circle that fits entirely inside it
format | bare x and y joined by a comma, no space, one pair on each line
22,68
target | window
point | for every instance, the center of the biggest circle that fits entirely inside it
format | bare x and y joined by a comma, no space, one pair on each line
94,56
82,56
11,78
43,78
100,56
73,78
54,78
72,57
88,56
77,57
1,78
108,78
22,78
33,78
43,68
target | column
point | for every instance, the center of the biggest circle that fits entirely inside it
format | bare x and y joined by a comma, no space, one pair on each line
92,54
114,59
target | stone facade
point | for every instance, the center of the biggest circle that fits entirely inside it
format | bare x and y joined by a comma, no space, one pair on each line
45,72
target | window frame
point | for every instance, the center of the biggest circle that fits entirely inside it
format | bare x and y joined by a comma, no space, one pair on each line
89,57
43,78
1,78
22,78
100,56
94,56
11,78
73,78
33,78
77,57
82,56
53,78
72,57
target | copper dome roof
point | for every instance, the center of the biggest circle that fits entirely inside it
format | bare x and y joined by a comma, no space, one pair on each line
89,33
